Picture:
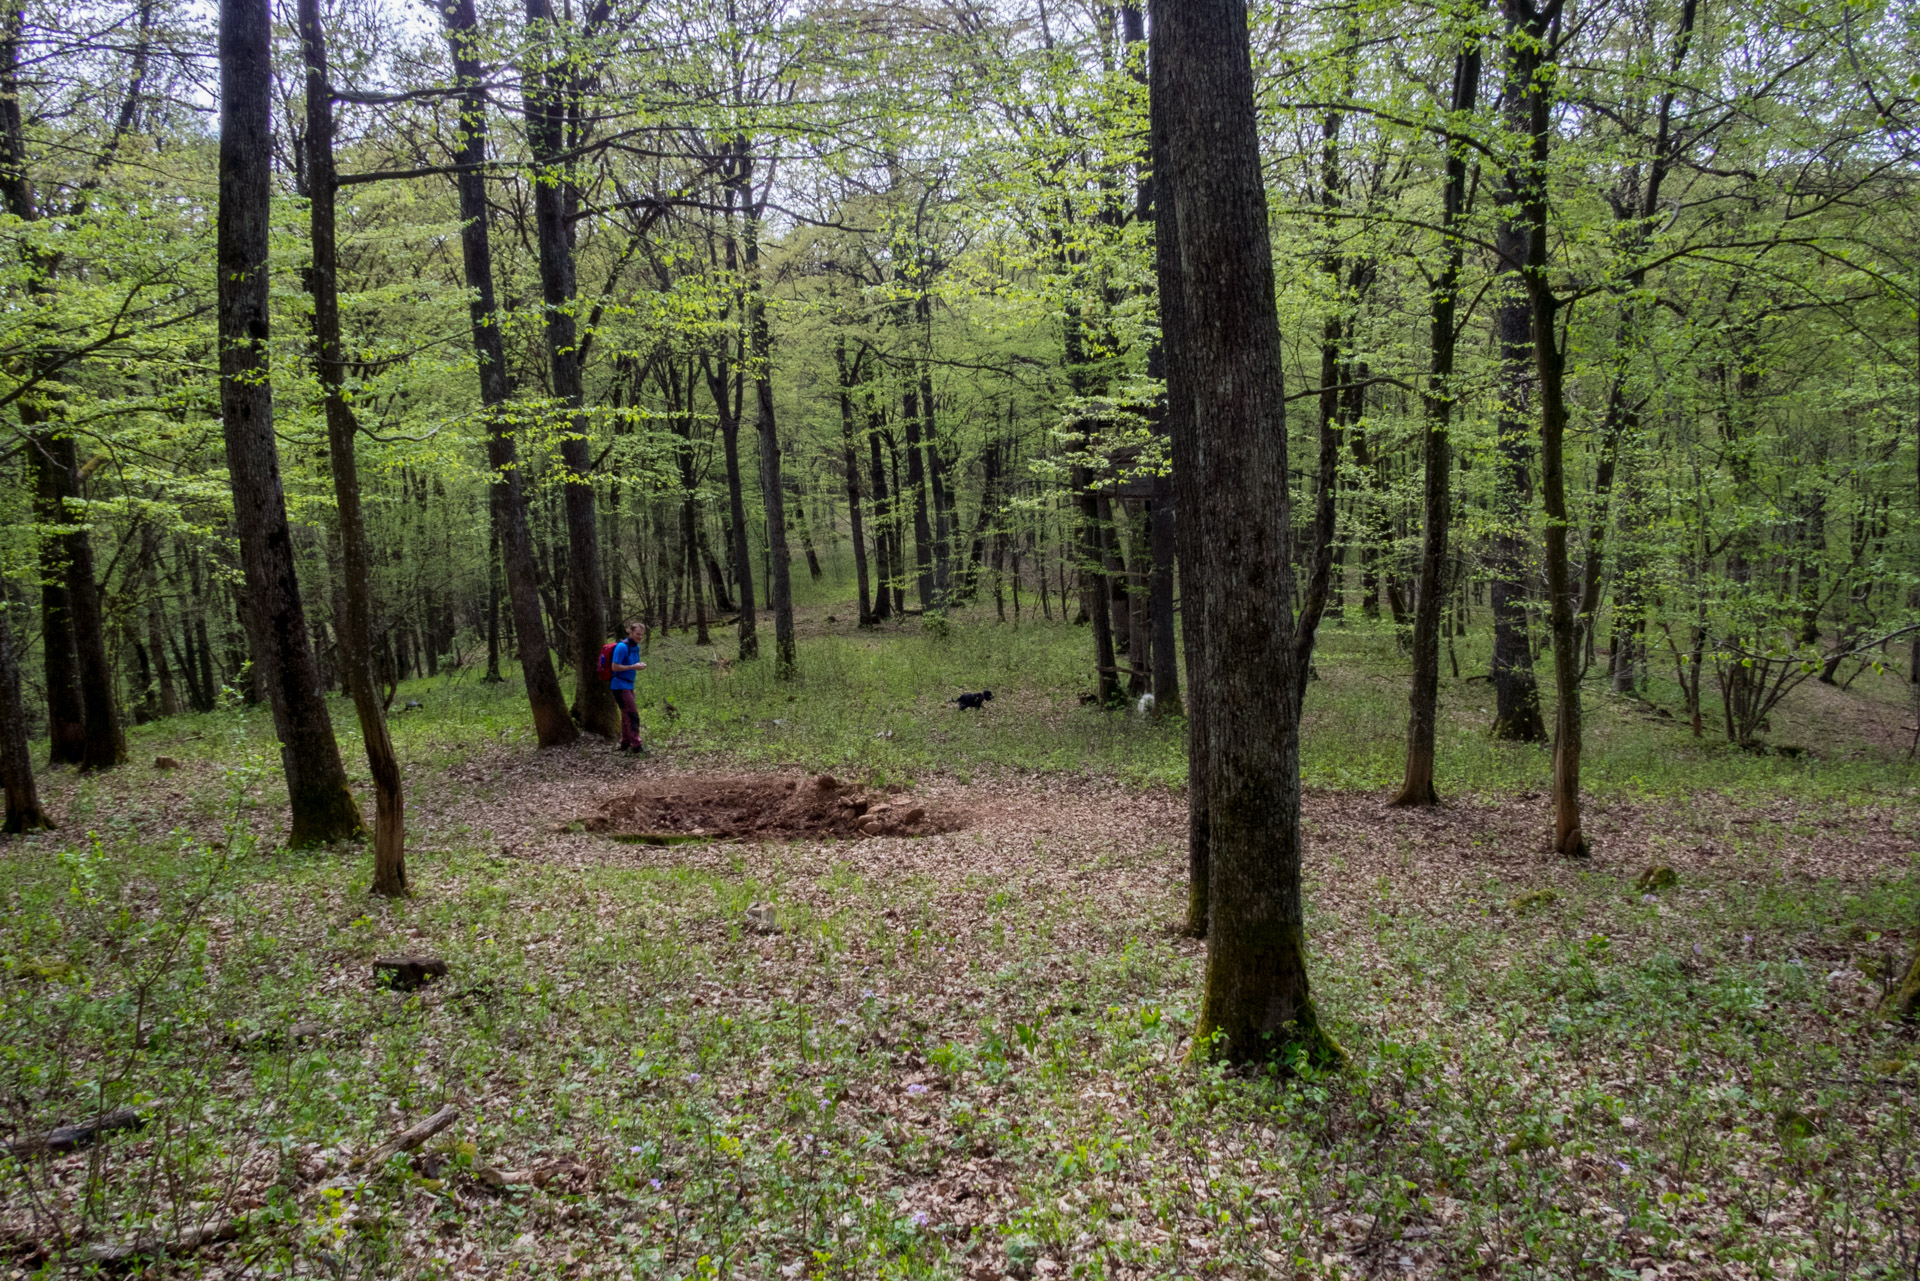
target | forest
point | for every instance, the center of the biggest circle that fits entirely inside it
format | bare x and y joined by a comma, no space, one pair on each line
1246,640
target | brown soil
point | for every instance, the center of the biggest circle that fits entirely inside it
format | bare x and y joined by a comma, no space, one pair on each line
763,808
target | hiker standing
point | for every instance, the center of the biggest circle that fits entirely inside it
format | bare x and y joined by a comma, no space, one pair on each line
624,662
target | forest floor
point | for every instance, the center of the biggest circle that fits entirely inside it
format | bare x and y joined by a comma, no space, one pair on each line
964,1052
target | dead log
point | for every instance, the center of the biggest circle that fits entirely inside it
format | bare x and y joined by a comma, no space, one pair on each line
227,1229
71,1138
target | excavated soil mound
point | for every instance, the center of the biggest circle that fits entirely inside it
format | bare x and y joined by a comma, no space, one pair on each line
767,809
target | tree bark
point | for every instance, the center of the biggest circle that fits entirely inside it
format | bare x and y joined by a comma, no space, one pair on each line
24,813
923,550
66,717
105,742
552,726
355,628
1424,698
1532,67
323,808
772,489
749,640
1516,691
884,551
851,463
1183,445
549,82
1257,1005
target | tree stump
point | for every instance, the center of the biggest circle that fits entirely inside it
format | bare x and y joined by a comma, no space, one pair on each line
407,973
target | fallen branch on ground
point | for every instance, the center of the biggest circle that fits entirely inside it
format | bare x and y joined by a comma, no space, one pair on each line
226,1229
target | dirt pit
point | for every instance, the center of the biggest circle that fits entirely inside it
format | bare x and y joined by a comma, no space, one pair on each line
761,809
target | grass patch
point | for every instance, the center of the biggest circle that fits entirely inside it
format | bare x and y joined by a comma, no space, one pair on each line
963,1055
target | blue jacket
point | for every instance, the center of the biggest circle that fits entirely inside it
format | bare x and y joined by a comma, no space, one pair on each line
625,652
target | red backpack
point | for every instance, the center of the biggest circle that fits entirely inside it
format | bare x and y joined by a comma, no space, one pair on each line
605,665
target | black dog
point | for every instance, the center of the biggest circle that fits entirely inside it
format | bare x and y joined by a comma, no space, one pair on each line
975,701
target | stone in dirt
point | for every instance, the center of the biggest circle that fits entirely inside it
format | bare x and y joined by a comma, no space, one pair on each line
762,808
760,919
407,973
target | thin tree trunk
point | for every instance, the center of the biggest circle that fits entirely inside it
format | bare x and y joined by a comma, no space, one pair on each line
157,642
493,676
1529,102
923,549
1423,713
852,465
355,628
1093,590
1225,361
323,808
548,82
882,523
507,487
772,491
749,640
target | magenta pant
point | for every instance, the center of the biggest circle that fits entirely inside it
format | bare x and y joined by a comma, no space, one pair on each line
629,718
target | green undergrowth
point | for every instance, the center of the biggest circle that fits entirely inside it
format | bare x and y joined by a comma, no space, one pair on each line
1585,1085
932,1072
877,702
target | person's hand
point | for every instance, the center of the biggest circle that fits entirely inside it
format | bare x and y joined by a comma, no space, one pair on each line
639,668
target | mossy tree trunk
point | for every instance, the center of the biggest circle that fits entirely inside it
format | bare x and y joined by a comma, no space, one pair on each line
1257,1005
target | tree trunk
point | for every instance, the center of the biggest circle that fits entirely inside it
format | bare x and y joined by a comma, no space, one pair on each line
1423,712
106,741
549,83
24,813
1184,449
1226,351
157,642
1530,100
883,551
944,530
1516,692
323,808
922,527
493,676
1114,572
66,717
355,628
1093,589
852,465
507,488
772,491
749,640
